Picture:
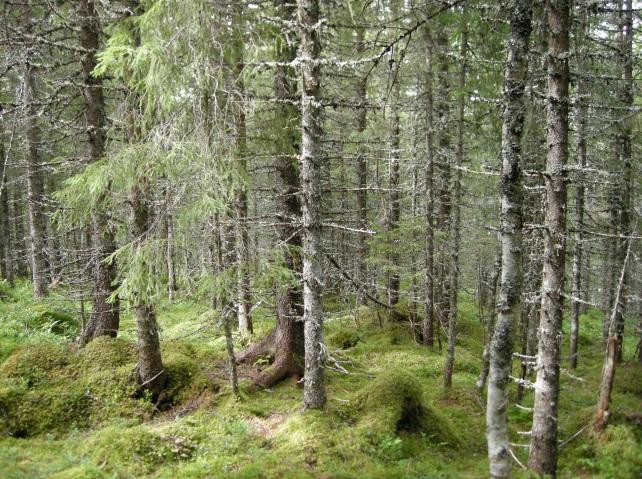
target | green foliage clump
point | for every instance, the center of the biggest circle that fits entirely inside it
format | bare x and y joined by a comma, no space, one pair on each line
615,454
56,322
138,449
394,403
344,339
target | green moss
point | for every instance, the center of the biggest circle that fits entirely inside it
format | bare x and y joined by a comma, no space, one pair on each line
136,450
36,363
26,412
88,471
393,403
56,322
105,353
344,339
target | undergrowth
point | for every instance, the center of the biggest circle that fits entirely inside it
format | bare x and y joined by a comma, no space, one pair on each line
73,413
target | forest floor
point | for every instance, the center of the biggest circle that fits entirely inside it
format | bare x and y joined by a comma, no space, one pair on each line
70,413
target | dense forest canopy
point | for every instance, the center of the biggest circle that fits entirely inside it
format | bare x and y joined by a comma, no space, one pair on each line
305,238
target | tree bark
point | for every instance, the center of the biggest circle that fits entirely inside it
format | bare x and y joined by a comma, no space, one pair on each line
287,340
455,222
512,198
543,446
428,324
105,315
244,299
314,396
35,189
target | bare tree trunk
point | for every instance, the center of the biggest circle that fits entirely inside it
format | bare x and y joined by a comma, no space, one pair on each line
610,357
169,258
242,236
5,235
490,329
105,317
455,222
314,396
512,199
35,189
362,175
543,447
428,325
578,237
393,214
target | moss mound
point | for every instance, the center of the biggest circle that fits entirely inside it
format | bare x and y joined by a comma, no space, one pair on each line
394,403
139,448
50,388
36,363
344,339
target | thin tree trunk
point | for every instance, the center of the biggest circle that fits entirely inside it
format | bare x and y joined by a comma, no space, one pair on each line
610,357
627,97
5,234
314,396
362,175
543,447
169,258
428,324
242,236
455,224
490,329
512,199
393,215
35,189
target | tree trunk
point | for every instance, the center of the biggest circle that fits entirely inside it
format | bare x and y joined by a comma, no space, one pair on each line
105,317
169,258
314,396
428,324
35,191
5,235
362,175
543,447
490,329
243,302
512,198
455,222
393,215
287,341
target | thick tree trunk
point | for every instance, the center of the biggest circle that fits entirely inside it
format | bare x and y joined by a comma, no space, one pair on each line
287,341
455,222
105,317
314,396
151,373
543,447
512,197
490,329
428,324
35,189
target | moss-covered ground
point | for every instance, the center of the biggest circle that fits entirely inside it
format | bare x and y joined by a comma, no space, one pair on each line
70,413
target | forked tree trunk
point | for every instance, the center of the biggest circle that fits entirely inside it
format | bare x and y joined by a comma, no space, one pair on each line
512,198
543,446
286,342
314,396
